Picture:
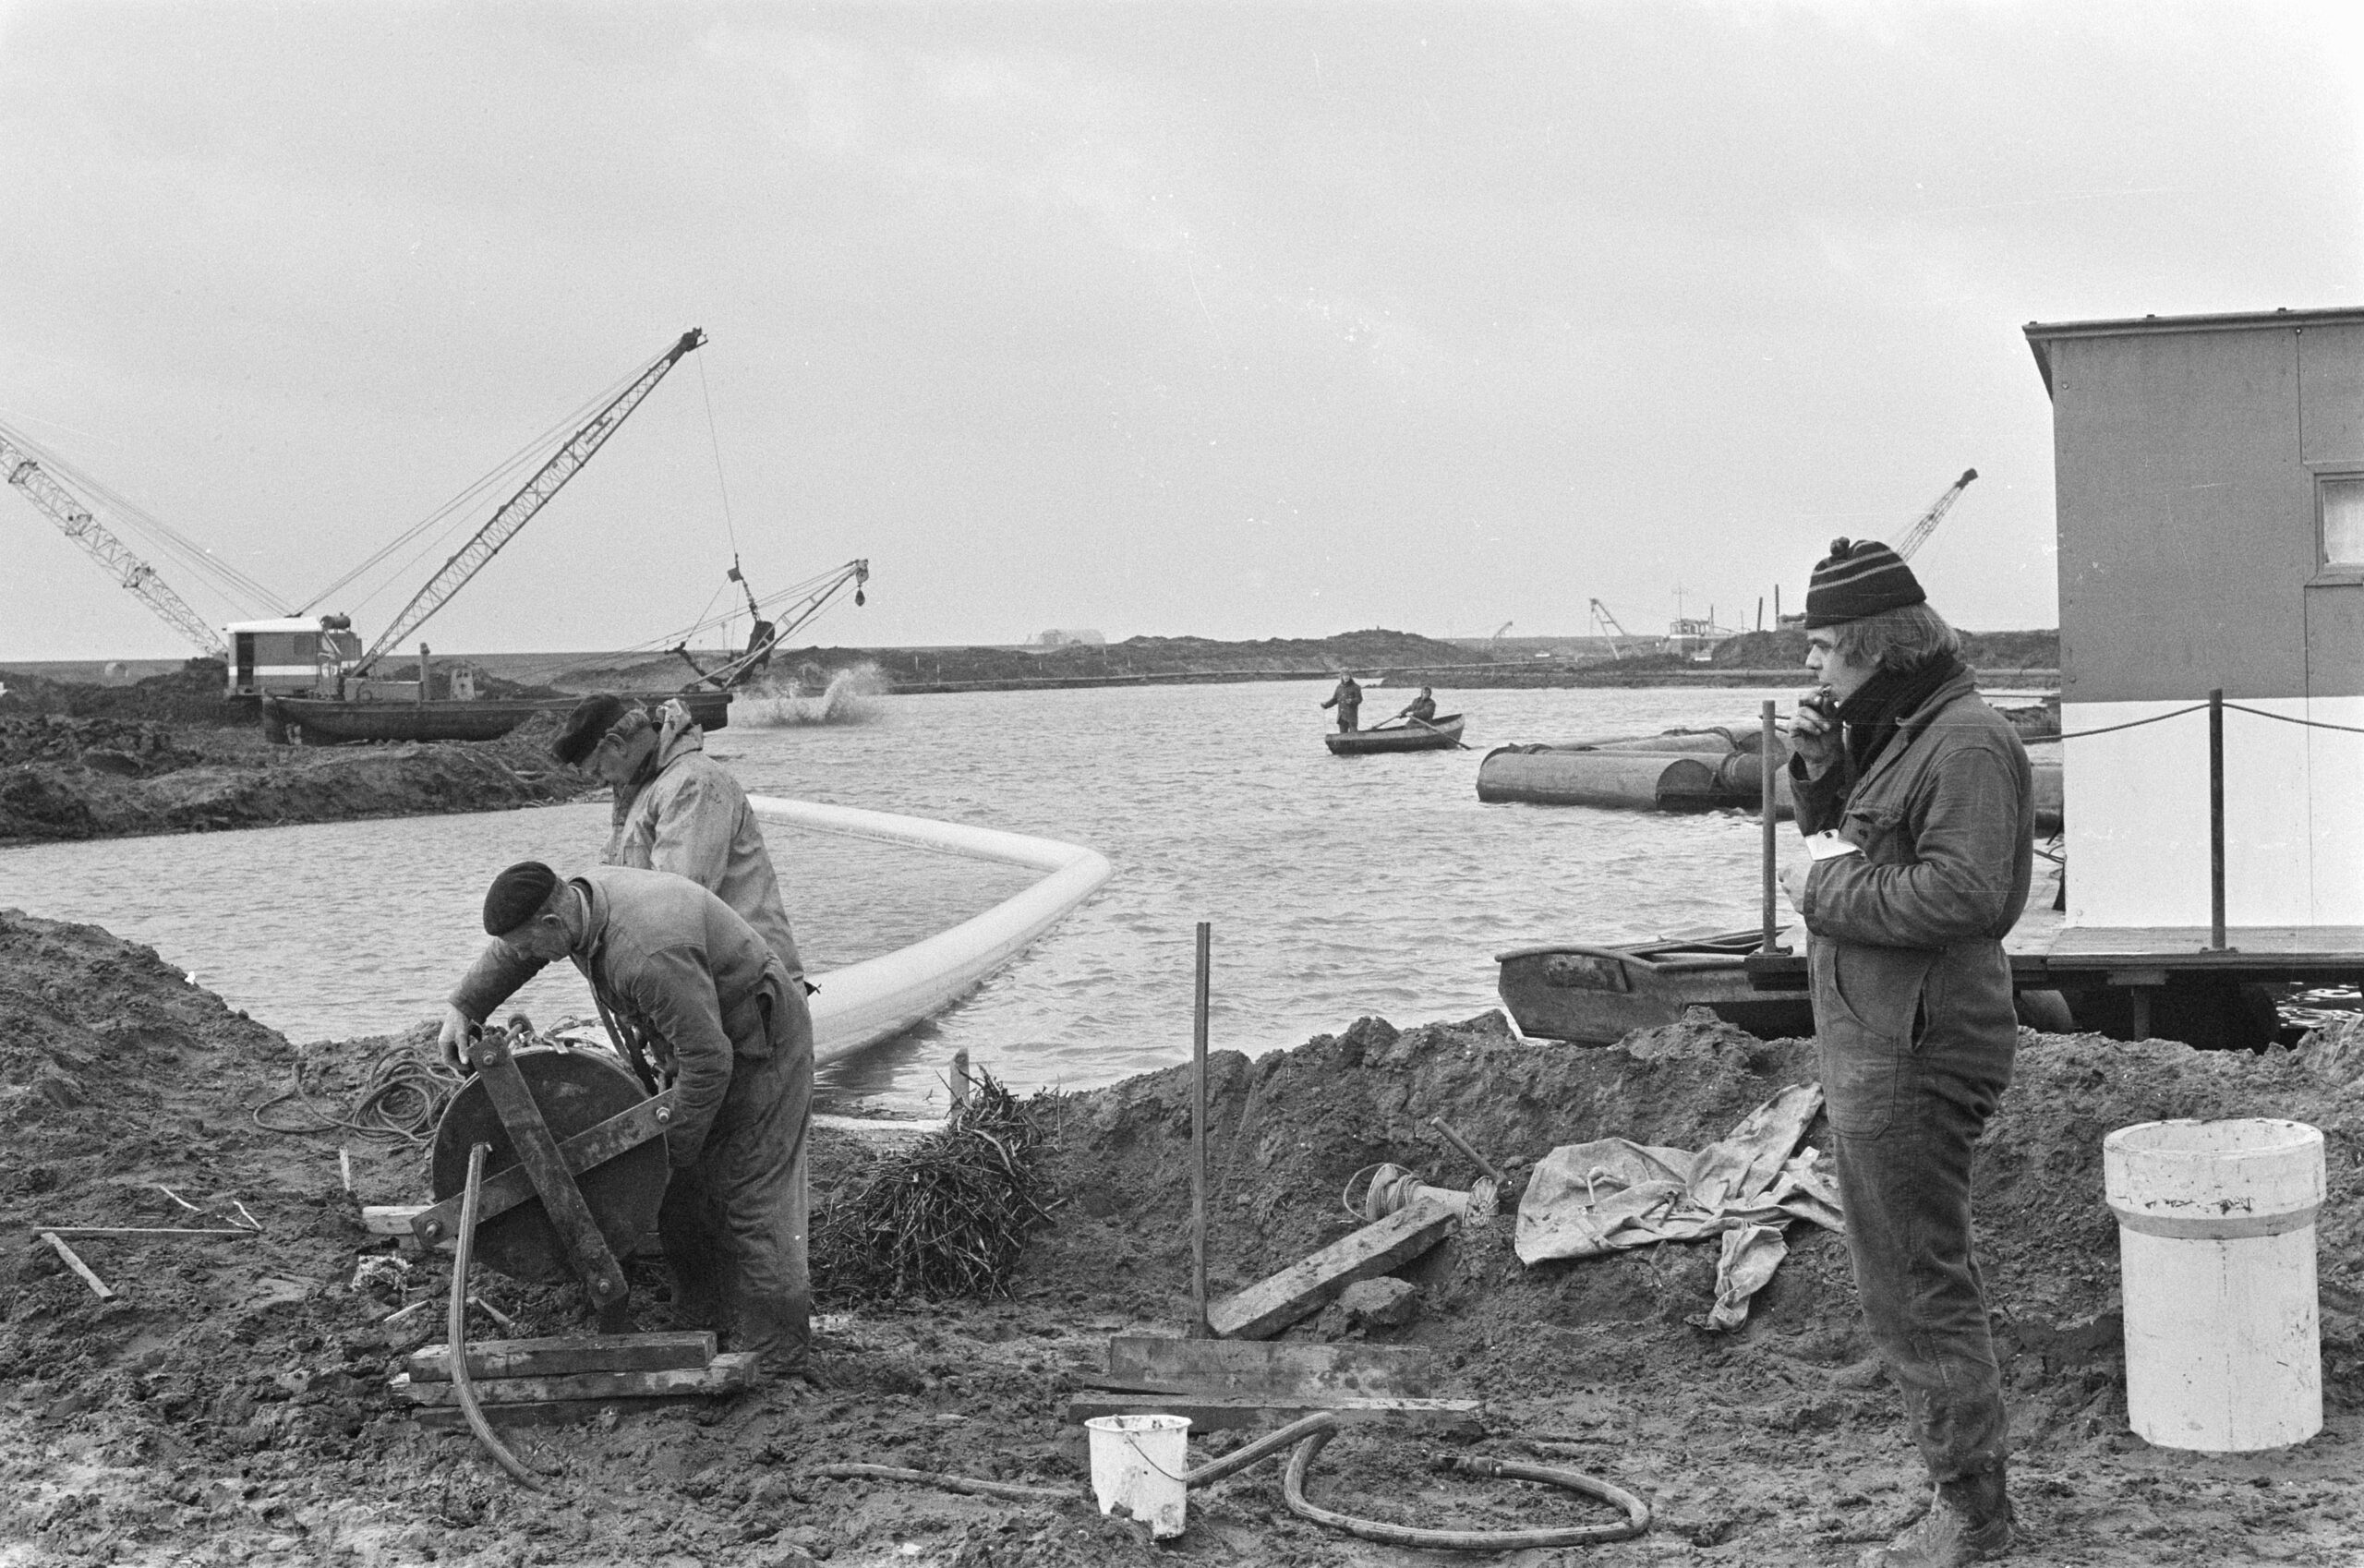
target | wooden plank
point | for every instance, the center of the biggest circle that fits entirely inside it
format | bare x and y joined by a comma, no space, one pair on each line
726,1373
494,1358
99,1287
503,1189
1265,1308
1272,1369
1213,1412
2187,942
391,1219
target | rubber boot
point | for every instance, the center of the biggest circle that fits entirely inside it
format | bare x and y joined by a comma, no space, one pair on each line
1968,1521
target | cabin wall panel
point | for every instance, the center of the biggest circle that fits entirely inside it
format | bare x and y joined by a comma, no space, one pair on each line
2330,394
2185,516
2135,804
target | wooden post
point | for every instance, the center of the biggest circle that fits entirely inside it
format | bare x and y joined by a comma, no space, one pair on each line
959,1085
1765,805
1198,1143
422,673
2216,820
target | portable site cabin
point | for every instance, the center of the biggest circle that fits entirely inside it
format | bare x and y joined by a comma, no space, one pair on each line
2209,474
287,655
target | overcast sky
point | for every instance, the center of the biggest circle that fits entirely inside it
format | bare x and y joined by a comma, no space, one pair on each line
1233,319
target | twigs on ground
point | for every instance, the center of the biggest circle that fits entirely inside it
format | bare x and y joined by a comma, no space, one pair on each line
949,1217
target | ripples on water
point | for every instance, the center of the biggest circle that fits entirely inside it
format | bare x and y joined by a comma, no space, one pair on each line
1337,885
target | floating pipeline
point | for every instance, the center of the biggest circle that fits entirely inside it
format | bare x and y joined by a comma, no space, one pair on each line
1676,771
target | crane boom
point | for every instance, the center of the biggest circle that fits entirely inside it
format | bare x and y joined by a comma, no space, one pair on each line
74,519
1926,524
472,556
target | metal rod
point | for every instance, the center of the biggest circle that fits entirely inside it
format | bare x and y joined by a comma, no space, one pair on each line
2216,820
1454,1138
1198,1140
1764,801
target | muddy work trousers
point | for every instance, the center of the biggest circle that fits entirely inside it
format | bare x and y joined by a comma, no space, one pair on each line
734,1221
1906,1119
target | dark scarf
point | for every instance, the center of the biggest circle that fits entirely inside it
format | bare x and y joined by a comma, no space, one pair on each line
1872,715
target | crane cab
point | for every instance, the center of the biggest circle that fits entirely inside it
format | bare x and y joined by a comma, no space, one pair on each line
289,656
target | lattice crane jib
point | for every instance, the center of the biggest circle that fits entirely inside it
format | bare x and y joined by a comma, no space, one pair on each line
75,520
1926,524
519,510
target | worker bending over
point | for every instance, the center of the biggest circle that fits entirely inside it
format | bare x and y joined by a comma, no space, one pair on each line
1917,803
728,1027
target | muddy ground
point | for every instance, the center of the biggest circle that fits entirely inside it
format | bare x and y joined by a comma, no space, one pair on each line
230,1406
168,755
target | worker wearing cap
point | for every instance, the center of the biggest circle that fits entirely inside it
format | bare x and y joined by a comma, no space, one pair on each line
731,1031
1348,700
1917,803
677,809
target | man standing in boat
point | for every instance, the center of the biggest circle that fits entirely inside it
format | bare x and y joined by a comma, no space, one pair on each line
682,970
677,810
1421,710
1348,700
1916,802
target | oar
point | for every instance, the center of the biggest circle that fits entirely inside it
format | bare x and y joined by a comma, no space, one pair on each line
1432,730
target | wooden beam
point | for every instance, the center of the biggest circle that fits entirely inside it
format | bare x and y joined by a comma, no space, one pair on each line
389,1218
99,1287
726,1373
1271,1367
546,1411
1265,1308
492,1359
1213,1412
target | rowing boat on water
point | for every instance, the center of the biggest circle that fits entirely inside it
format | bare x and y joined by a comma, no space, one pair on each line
1439,734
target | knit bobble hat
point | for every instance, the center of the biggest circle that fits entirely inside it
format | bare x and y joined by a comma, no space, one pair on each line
515,895
1861,577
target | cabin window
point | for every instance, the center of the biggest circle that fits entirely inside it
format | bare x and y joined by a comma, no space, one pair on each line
2341,503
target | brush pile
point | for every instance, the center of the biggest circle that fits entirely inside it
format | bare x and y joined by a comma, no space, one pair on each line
949,1217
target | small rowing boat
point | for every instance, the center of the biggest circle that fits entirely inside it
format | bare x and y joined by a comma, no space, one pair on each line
1596,995
1439,734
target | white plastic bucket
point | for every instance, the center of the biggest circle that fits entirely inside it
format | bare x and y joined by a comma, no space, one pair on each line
2217,1239
1139,1461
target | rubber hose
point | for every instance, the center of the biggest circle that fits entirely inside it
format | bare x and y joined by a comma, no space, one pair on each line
456,1326
1636,1520
1270,1443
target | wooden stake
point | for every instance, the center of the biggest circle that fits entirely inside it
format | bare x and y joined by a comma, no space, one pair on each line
959,1085
99,1287
1764,801
1199,1327
345,1166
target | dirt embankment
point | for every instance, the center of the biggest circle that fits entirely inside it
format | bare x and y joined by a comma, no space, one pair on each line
229,1404
166,756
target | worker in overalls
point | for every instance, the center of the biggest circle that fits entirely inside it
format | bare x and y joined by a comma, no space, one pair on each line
1348,700
727,1028
1917,803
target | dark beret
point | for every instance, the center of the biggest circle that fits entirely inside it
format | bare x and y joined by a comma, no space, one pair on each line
515,895
592,718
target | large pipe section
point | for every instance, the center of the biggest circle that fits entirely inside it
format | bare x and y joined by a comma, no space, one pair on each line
878,998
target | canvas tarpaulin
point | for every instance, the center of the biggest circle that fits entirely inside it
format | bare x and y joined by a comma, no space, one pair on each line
1612,1194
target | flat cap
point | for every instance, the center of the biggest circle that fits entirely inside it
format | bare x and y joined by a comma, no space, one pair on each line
515,895
592,718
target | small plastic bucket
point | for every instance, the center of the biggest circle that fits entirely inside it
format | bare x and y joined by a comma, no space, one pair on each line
1139,1461
2216,1242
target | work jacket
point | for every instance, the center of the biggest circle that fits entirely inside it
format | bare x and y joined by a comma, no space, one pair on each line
1907,937
677,966
692,819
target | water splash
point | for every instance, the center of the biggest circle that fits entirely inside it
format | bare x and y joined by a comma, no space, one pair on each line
849,696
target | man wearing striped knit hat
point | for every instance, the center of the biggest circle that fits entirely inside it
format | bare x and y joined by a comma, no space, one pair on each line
1916,803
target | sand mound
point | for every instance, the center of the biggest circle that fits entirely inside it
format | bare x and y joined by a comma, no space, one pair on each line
229,1404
